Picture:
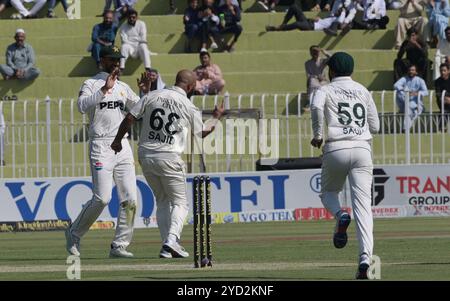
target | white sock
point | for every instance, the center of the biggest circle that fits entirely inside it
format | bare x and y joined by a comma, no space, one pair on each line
172,238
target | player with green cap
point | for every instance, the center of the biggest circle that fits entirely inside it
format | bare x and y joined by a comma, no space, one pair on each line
348,111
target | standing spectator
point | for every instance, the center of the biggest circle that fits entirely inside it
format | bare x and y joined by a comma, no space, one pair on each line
438,12
134,40
192,24
442,53
301,22
443,84
20,60
172,8
417,90
103,34
416,54
315,70
4,4
2,134
25,13
345,11
230,17
374,16
51,7
209,24
410,17
209,76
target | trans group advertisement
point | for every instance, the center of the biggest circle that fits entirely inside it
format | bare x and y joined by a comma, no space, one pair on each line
398,191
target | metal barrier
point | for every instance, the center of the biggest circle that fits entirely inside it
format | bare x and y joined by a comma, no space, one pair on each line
48,138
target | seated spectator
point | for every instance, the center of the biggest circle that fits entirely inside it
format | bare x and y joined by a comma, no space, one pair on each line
108,4
268,5
301,22
417,90
156,82
209,76
416,54
345,11
438,12
443,84
51,7
134,40
230,16
20,60
4,4
103,34
442,53
374,16
209,25
234,2
410,17
191,20
315,70
25,13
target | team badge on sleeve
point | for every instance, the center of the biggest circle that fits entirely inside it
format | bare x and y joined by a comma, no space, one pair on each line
98,165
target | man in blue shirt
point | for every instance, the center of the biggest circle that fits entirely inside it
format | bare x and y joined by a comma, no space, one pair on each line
103,34
230,18
417,90
191,20
20,60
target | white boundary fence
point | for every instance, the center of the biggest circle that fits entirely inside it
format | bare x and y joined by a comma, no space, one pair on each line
48,138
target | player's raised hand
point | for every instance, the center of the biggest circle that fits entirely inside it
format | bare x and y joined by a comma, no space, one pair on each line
316,142
144,83
116,146
111,80
218,111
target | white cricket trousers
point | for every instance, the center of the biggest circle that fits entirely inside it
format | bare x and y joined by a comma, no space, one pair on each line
135,51
106,168
167,179
356,163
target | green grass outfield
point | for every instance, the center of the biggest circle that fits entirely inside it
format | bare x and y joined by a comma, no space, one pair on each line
410,249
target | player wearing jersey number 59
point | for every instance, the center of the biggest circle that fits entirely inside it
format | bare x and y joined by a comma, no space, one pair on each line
351,118
167,115
105,100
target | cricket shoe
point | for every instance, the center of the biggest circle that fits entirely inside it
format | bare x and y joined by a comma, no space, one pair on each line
175,249
72,243
340,233
164,254
120,252
363,268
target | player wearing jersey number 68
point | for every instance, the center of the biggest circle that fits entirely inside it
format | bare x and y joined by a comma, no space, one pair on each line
167,115
106,100
350,115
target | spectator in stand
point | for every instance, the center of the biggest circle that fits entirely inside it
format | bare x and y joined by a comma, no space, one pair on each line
20,60
25,13
209,25
2,134
345,11
103,34
230,18
133,34
416,54
417,90
51,7
4,4
156,82
443,84
442,53
301,22
410,17
438,12
172,8
209,77
191,20
315,69
268,5
374,16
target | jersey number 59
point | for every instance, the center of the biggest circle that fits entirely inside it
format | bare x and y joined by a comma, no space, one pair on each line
346,117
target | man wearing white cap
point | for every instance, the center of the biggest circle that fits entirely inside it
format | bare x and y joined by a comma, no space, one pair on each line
20,60
25,13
